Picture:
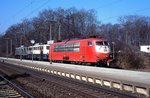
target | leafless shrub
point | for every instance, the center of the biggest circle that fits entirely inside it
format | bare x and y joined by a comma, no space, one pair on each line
129,59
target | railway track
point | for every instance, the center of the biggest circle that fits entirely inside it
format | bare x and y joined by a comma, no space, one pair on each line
10,90
61,87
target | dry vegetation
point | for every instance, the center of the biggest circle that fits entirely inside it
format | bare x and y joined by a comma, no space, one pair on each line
130,59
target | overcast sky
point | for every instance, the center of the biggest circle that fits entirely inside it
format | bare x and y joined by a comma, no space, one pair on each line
108,11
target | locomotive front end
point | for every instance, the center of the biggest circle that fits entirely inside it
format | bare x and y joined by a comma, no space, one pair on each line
103,52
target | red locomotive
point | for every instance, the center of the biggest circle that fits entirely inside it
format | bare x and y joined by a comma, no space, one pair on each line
87,51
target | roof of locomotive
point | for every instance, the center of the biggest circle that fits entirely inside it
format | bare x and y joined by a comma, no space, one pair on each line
32,46
78,40
37,45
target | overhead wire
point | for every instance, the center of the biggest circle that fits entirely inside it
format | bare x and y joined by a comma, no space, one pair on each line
25,7
36,9
19,12
109,4
137,11
118,1
22,9
103,6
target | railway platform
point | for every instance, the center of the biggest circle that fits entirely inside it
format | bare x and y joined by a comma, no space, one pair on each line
126,80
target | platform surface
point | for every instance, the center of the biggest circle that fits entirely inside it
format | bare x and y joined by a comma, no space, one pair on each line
115,74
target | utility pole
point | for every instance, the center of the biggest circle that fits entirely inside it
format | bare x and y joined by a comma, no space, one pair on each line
32,42
11,47
126,37
7,39
59,37
50,36
21,48
113,50
7,48
20,40
50,31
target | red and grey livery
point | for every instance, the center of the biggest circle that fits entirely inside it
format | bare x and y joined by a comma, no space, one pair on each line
90,50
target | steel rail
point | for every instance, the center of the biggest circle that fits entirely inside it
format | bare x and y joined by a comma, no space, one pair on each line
17,88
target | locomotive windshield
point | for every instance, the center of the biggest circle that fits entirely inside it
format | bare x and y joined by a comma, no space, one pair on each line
106,43
99,43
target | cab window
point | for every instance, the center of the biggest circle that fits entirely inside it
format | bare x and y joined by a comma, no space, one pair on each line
106,43
47,47
99,43
89,43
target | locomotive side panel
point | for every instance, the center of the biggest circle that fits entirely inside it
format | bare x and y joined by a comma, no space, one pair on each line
57,52
90,50
73,51
78,51
66,51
